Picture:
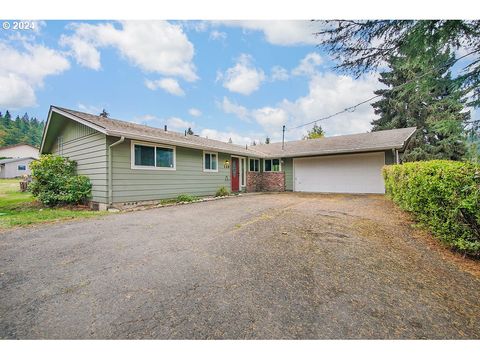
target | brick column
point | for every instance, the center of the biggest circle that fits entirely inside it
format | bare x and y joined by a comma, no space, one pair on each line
273,181
265,181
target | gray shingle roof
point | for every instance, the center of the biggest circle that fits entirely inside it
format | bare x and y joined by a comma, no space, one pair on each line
6,161
378,140
374,141
130,130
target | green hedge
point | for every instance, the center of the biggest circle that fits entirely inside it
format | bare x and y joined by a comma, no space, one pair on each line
442,194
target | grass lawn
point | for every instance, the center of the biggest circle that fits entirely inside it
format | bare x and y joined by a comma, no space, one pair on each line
21,209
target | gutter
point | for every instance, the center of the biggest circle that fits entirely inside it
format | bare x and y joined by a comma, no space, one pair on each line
110,180
155,140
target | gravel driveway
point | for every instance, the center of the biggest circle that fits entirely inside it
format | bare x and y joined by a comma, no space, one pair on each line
271,266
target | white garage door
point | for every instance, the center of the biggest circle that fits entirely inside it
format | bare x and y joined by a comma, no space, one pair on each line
359,173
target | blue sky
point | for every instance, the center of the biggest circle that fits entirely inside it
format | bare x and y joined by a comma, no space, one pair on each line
241,80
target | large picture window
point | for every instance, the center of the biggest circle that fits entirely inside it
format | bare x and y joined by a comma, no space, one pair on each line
254,165
210,161
146,156
272,165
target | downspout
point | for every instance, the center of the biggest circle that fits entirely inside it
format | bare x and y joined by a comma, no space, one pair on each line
110,182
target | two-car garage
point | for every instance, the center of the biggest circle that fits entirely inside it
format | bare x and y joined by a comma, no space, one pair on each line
352,173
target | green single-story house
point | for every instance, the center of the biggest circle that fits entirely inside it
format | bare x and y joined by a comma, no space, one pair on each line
130,163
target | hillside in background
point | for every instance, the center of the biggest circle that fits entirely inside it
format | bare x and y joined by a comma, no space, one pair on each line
21,130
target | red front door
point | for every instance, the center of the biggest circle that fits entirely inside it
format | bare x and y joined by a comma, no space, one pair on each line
235,175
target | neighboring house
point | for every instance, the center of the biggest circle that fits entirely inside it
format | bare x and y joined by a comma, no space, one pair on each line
127,162
18,151
12,168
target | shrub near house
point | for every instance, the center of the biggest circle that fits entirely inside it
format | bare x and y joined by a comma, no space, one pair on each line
55,181
444,195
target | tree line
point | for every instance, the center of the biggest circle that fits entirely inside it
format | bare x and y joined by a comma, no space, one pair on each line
21,130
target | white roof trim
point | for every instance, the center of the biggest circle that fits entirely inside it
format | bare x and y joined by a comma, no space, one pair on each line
156,140
70,116
80,120
45,129
244,152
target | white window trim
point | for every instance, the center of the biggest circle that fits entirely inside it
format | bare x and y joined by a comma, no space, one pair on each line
279,164
242,169
154,145
249,164
203,161
243,172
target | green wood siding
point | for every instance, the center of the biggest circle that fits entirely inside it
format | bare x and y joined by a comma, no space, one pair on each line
88,148
287,167
188,178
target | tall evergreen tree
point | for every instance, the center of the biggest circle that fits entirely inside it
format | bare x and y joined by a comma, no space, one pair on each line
429,99
360,46
473,142
5,120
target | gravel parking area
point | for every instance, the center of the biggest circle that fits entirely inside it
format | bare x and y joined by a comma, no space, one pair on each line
267,266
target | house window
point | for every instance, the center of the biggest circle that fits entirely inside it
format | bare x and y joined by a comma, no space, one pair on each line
22,167
146,156
210,161
164,157
254,165
271,165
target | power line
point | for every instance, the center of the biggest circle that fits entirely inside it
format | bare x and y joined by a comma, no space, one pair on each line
354,107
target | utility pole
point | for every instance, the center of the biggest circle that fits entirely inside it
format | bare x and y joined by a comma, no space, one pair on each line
283,137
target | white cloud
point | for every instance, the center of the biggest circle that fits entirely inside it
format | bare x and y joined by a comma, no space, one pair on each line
173,123
15,92
91,109
83,51
148,119
153,46
281,32
218,35
227,135
230,107
279,73
170,85
243,78
196,25
271,119
178,124
23,71
195,112
308,65
329,93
